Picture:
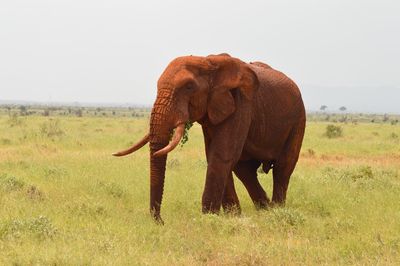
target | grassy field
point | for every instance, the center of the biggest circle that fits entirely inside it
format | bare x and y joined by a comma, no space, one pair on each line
66,201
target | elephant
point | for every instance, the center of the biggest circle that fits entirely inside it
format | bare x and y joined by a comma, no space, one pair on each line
250,114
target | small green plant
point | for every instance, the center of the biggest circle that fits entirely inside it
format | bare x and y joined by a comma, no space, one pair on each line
14,120
51,129
185,137
5,141
311,152
359,173
23,110
173,162
34,193
78,113
287,216
11,183
113,189
87,209
362,172
333,131
40,227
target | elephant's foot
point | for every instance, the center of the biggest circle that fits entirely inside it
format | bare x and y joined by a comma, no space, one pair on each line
262,204
230,200
210,206
278,202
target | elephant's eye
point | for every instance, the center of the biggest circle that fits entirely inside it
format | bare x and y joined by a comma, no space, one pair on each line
189,86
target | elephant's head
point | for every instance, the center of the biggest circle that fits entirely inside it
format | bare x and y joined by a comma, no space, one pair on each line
191,88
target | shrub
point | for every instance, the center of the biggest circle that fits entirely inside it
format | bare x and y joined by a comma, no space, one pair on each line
51,129
173,162
23,110
5,141
354,174
34,193
40,227
287,216
78,113
14,120
311,152
333,131
113,189
11,183
363,172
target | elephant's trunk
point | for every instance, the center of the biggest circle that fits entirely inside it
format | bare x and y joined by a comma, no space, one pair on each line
157,176
160,132
162,122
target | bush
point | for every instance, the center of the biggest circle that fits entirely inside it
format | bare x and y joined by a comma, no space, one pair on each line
287,216
113,189
34,193
11,183
311,152
40,227
333,131
78,113
173,162
354,174
51,129
14,120
363,172
5,141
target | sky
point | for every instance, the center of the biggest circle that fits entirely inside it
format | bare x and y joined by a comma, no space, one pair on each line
339,52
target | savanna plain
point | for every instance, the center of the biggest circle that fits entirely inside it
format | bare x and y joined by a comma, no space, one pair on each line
64,200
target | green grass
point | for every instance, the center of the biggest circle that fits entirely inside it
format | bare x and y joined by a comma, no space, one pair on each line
66,201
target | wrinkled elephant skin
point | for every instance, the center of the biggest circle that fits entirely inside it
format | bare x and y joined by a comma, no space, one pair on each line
251,115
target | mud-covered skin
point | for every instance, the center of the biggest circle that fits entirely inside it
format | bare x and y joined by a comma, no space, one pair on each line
250,114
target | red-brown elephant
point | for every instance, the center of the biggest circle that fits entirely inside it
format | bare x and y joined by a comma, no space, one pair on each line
251,114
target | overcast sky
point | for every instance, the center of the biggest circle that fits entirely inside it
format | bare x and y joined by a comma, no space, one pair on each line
339,52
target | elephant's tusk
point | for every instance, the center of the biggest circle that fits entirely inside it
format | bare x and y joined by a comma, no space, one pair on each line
135,147
173,143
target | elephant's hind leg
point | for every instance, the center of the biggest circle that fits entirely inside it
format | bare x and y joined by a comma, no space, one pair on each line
246,171
230,200
284,166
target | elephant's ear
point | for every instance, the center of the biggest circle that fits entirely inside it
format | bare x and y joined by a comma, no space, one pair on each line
232,74
221,105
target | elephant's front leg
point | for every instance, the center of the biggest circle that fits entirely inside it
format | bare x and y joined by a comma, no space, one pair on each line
230,200
225,145
218,173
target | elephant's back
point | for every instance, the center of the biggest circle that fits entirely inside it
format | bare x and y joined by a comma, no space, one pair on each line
275,87
277,109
